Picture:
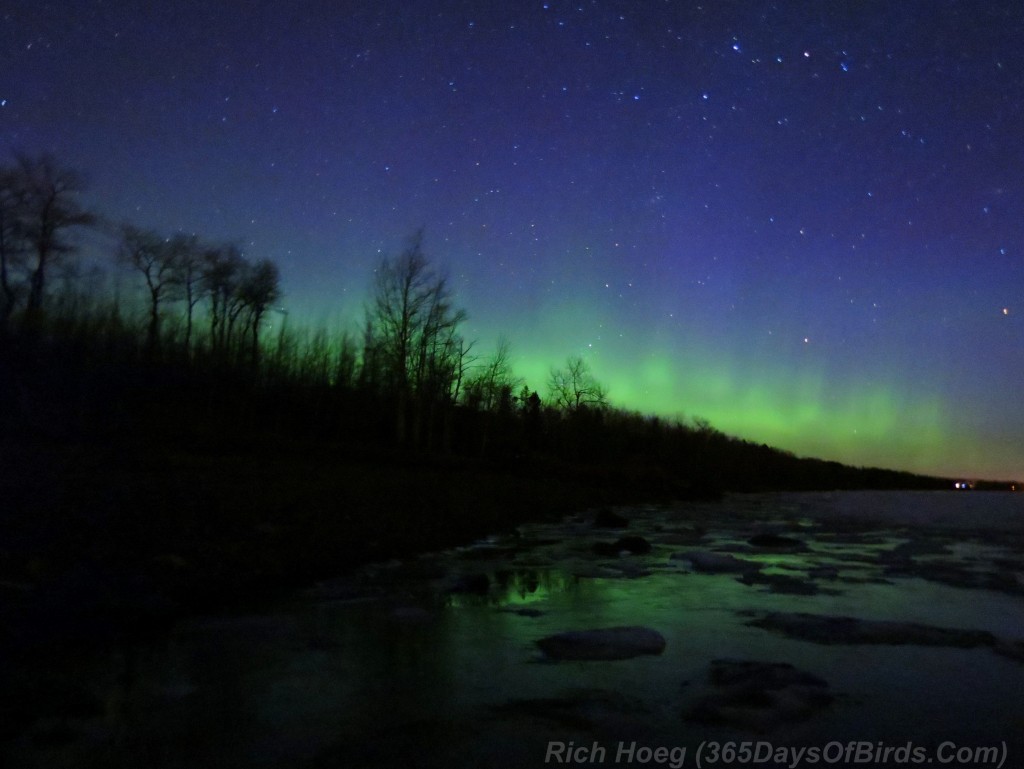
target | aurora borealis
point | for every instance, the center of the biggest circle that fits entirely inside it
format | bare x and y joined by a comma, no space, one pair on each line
801,221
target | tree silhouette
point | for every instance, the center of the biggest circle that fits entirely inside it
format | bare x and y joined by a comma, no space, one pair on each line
188,265
495,382
258,288
412,338
574,387
156,258
221,271
48,209
490,391
12,247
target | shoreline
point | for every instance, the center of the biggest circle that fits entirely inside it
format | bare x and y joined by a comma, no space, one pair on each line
137,537
820,590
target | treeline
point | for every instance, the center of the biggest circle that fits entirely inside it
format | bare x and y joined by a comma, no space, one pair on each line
190,359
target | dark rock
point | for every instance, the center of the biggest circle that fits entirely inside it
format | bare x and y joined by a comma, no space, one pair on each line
636,545
1012,649
717,563
628,569
777,542
606,519
760,695
826,629
683,536
615,643
765,675
488,553
905,551
523,612
1004,582
779,583
632,544
474,584
823,572
957,574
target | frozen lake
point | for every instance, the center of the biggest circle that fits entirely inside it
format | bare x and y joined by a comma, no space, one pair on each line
434,662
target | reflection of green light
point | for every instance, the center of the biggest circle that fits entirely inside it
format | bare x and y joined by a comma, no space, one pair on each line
520,588
534,587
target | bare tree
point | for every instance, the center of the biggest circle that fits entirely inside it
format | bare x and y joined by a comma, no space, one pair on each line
440,347
574,387
371,369
412,334
345,371
221,271
401,295
188,264
49,209
155,258
495,382
258,288
463,359
12,247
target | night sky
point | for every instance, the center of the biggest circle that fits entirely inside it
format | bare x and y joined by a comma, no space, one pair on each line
801,221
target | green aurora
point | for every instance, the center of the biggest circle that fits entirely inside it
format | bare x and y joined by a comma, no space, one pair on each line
872,426
788,395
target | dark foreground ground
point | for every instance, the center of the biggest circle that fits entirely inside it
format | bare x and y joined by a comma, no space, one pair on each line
109,544
789,620
105,544
157,532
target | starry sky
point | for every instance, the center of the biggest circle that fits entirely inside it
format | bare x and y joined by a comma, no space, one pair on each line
802,221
